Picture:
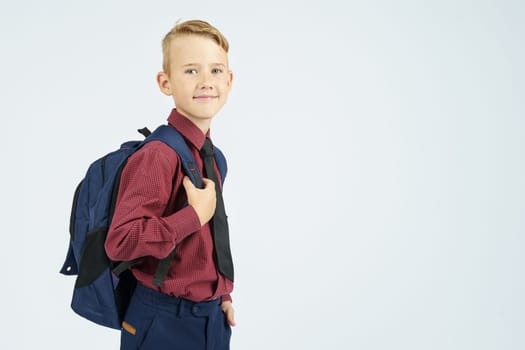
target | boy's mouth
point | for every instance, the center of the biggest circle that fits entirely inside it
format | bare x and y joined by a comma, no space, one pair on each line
204,97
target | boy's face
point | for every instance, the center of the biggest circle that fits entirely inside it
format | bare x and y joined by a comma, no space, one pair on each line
199,79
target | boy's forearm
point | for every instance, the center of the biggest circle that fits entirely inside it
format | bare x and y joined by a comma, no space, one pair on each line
138,226
150,236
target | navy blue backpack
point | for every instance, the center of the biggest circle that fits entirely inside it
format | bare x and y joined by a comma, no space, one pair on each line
103,287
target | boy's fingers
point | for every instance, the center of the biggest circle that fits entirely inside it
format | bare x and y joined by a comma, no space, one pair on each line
230,317
228,310
207,182
186,182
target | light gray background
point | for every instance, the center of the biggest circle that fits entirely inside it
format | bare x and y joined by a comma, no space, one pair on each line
376,157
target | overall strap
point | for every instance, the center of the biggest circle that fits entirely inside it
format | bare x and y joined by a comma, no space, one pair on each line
171,137
174,139
221,163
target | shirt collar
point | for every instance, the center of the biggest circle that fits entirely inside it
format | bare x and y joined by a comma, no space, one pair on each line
189,130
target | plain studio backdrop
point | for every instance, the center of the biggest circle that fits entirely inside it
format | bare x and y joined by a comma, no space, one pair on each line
376,181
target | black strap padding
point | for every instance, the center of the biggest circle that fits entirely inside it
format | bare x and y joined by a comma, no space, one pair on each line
93,260
145,131
124,265
162,269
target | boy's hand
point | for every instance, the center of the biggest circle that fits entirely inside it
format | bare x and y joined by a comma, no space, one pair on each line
227,308
202,200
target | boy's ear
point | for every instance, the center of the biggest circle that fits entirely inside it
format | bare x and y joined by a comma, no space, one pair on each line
230,79
164,83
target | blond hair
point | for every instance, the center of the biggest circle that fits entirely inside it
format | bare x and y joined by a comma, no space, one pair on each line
191,27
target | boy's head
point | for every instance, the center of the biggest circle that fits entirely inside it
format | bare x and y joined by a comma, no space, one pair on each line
192,27
195,69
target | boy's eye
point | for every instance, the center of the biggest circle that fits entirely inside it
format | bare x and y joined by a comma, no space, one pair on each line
216,71
190,71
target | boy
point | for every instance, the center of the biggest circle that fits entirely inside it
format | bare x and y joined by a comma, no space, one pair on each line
192,309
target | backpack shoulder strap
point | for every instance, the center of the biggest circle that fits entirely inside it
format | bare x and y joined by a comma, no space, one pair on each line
171,137
174,139
221,162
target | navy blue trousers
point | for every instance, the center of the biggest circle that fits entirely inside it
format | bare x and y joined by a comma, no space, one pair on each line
155,321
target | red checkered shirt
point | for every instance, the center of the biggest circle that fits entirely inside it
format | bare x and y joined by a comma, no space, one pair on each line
151,218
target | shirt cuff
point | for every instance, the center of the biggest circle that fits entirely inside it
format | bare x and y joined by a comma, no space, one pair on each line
226,297
184,222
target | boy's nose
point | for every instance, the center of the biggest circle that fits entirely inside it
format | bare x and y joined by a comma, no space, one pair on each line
205,82
206,86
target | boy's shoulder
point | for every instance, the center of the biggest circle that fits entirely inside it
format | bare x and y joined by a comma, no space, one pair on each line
154,156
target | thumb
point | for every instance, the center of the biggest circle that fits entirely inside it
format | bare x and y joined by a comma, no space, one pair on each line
188,185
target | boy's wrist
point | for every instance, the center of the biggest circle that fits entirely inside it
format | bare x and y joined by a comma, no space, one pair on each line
184,222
